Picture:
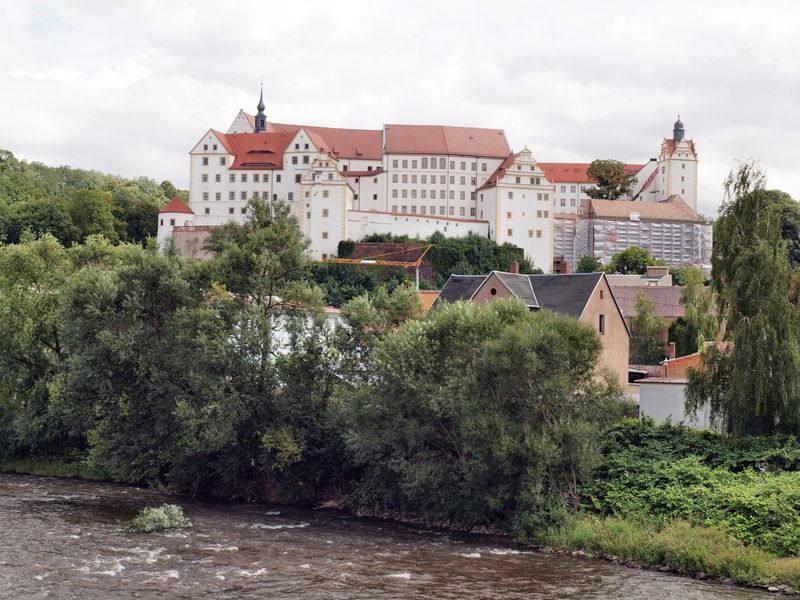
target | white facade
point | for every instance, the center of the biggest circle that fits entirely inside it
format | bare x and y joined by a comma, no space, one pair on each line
404,179
665,399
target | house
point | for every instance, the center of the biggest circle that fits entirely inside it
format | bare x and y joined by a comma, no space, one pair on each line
585,296
666,303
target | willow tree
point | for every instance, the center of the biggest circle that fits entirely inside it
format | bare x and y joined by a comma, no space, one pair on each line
699,323
753,384
647,332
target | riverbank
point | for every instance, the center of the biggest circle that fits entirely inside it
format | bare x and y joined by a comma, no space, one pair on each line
704,553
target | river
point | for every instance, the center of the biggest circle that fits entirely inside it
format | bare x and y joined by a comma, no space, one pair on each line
61,539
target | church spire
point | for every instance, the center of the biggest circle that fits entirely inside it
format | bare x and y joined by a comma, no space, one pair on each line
677,130
261,118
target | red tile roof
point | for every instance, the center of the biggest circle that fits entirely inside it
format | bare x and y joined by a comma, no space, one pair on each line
176,205
672,145
666,300
673,208
262,151
443,139
377,171
363,144
499,172
576,172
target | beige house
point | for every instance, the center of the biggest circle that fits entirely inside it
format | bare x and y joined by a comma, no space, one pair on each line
586,296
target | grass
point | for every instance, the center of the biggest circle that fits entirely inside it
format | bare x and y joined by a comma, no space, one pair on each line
684,548
50,468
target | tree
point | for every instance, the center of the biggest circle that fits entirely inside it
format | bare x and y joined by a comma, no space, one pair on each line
789,210
589,264
647,333
699,323
39,217
90,211
479,414
613,182
752,384
632,261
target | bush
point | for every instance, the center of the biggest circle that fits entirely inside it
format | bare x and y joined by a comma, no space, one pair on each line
166,516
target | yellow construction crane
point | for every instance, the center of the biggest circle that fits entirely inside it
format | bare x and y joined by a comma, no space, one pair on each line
379,260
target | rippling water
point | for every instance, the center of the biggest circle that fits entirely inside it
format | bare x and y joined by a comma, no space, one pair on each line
62,539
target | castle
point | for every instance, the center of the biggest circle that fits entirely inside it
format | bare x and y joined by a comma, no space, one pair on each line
414,179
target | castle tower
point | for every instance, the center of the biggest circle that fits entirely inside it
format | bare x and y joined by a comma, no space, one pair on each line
261,118
677,167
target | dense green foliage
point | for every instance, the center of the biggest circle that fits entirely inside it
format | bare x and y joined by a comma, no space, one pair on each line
613,182
748,487
647,333
699,323
589,264
632,261
72,204
479,415
753,384
159,518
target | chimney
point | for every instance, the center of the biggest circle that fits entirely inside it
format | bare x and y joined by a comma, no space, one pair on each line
671,351
563,268
513,267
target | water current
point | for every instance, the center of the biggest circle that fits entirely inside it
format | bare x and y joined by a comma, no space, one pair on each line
62,539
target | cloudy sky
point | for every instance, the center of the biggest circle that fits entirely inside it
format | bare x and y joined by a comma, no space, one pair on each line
128,87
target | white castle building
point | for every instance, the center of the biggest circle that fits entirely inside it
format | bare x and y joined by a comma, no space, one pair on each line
401,179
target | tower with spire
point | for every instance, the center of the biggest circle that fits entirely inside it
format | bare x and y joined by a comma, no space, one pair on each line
261,118
677,167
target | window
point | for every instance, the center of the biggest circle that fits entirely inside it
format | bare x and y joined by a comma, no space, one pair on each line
296,178
324,235
483,166
325,193
510,232
537,181
405,164
405,178
404,209
294,160
563,189
208,211
375,196
404,194
472,211
172,221
601,294
214,147
452,195
433,194
508,215
205,161
394,207
442,179
441,195
266,177
278,178
218,196
330,177
538,233
255,177
463,166
394,163
546,197
231,195
462,195
538,214
217,178
463,180
205,196
264,194
423,209
546,214
452,180
413,164
572,188
601,324
571,202
452,210
563,202
473,166
205,146
204,178
683,165
441,209
452,165
244,210
423,179
305,159
290,196
462,211
433,210
230,210
355,196
297,146
394,193
519,180
244,177
472,181
433,162
539,196
442,163
243,195
663,170
413,179
424,163
682,178
510,195
305,146
324,212
395,178
414,193
413,209
530,233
